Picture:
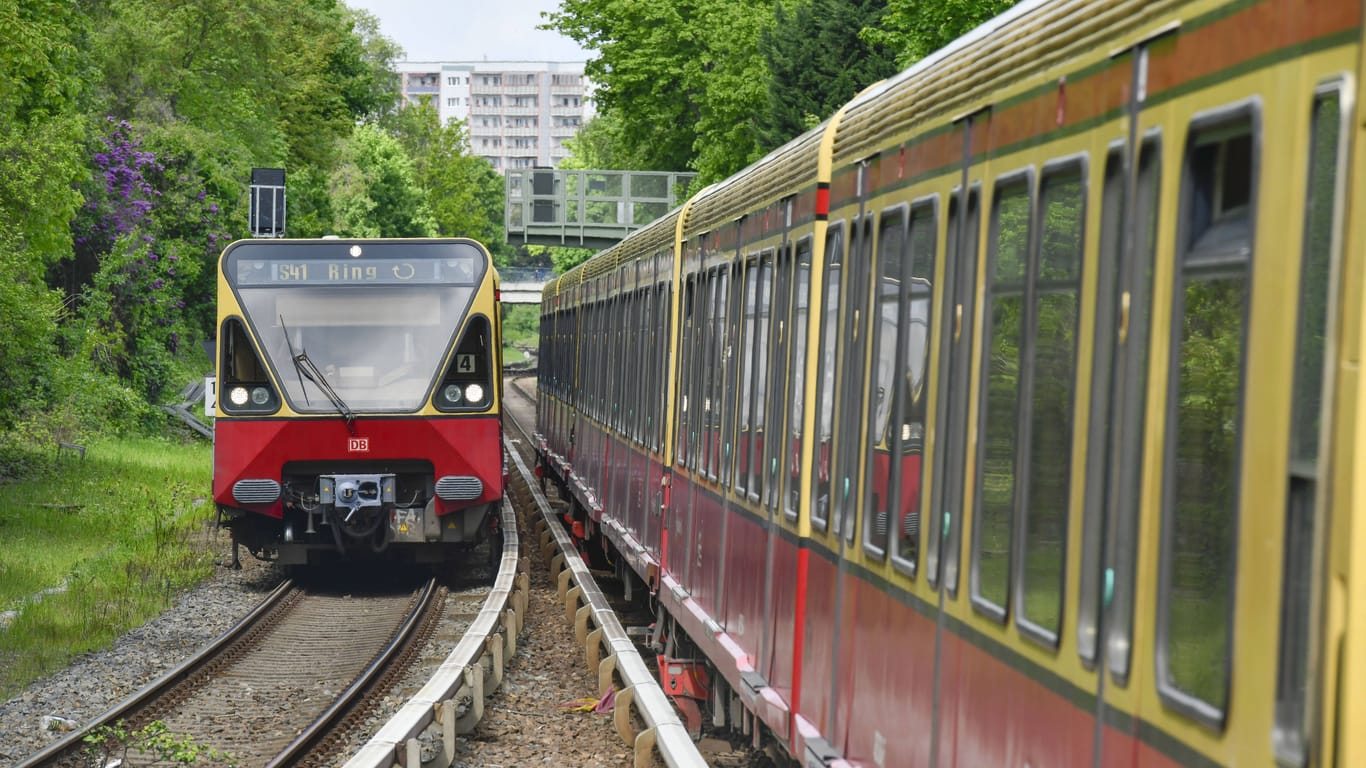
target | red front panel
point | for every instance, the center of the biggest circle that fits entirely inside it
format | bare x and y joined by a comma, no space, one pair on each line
461,446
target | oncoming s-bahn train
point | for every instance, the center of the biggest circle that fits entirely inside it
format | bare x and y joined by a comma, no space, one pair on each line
1013,415
358,399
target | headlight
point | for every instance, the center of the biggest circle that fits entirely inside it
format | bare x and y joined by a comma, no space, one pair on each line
238,396
474,393
451,393
260,396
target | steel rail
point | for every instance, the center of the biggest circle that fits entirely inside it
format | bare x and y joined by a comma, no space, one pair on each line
641,692
187,669
462,674
309,737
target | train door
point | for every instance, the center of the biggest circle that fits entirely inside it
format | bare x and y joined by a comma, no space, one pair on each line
952,441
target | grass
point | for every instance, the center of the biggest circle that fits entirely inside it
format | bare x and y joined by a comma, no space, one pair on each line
96,546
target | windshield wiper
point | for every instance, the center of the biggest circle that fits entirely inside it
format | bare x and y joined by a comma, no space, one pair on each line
307,369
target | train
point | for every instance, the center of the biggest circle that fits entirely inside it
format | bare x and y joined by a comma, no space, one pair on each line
1009,416
358,399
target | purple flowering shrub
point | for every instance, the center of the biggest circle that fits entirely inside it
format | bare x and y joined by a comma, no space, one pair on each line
142,275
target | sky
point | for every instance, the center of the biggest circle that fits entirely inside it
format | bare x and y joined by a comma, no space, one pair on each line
471,30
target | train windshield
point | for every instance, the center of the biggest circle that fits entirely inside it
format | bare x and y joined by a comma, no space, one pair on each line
376,327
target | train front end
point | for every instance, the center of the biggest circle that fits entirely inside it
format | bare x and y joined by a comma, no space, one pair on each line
357,399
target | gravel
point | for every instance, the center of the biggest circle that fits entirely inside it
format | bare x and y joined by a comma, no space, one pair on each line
95,682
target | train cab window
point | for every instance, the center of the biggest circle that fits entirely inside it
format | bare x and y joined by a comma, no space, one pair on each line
240,371
999,423
1204,415
468,381
913,365
825,376
882,467
796,389
1313,358
1055,275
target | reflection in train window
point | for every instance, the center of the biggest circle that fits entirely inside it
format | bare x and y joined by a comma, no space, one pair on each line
1055,278
1000,417
1209,319
1312,358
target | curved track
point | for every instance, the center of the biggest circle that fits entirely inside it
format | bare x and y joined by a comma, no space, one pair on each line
268,691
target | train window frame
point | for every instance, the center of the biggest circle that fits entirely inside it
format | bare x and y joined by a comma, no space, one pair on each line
796,382
235,331
779,367
1072,166
763,308
943,548
847,429
1103,549
1307,489
682,443
927,207
744,403
729,414
1197,258
898,216
835,242
715,394
1002,188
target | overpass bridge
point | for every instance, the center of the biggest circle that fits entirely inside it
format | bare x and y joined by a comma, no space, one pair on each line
522,285
586,209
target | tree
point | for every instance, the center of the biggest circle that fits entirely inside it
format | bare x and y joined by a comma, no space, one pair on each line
463,191
678,79
375,190
917,28
818,61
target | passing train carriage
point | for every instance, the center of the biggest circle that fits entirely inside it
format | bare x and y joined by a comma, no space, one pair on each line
358,398
1011,416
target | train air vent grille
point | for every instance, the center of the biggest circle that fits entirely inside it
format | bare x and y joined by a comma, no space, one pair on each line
256,491
459,488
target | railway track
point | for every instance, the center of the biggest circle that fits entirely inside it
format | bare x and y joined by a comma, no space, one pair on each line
272,689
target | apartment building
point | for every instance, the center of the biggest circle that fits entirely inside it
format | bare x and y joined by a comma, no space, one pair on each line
519,113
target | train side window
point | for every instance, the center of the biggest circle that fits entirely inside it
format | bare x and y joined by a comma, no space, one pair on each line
697,418
683,442
759,384
1119,376
881,470
716,395
729,357
706,375
999,425
1204,414
825,376
746,364
780,334
1054,307
1313,360
944,537
801,302
913,365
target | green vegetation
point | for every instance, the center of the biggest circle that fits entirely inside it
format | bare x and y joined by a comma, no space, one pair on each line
121,531
110,745
521,331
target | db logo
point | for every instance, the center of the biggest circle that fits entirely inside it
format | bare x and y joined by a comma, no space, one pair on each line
358,445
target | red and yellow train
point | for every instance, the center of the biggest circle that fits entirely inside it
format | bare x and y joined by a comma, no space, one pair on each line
1009,416
358,398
